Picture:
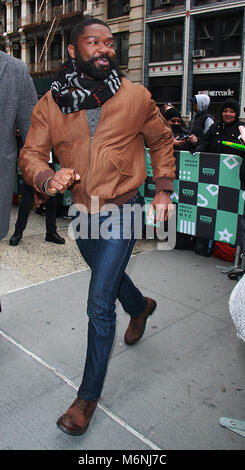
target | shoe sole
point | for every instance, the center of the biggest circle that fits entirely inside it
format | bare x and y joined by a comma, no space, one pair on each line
72,433
135,342
57,243
14,243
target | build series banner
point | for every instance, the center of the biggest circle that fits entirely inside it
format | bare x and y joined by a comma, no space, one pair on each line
207,193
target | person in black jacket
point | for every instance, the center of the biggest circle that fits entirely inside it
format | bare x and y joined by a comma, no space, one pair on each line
27,199
227,128
183,140
201,119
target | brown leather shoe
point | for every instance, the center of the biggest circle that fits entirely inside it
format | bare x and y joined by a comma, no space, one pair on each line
76,420
136,325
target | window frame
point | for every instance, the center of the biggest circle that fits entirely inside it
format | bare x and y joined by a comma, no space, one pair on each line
218,42
164,29
119,47
121,4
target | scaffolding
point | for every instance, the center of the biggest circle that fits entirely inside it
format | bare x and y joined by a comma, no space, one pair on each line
54,23
45,14
48,40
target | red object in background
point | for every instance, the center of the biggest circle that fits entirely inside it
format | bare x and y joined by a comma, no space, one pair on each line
15,199
224,251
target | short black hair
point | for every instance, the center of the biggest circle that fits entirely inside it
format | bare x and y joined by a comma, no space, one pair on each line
79,28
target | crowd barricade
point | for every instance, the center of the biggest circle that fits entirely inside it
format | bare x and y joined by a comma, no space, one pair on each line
207,193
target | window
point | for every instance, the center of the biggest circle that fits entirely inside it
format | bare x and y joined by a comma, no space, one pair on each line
66,42
56,48
167,43
16,50
219,36
121,47
3,19
165,90
118,8
164,3
31,45
16,14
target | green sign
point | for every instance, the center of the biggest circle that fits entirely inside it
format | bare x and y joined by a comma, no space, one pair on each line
207,193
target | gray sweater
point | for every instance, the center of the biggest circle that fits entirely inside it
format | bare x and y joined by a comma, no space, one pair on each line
93,116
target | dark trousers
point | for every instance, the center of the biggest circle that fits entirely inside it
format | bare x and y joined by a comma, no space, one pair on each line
25,207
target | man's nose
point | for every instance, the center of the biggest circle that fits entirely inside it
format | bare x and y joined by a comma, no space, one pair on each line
103,48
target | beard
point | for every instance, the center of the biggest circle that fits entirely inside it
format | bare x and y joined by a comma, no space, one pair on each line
88,67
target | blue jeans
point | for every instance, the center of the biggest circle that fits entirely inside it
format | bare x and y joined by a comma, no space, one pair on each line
107,259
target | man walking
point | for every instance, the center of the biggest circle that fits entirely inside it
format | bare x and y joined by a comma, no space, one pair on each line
97,122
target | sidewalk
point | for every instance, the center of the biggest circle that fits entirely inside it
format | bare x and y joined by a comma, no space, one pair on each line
167,392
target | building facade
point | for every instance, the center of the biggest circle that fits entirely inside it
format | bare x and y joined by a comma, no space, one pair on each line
194,46
176,48
37,32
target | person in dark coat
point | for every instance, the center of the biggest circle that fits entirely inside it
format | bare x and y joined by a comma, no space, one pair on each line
183,140
27,199
201,119
17,100
227,128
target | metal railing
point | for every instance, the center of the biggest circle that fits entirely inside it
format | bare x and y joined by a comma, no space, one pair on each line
51,65
75,6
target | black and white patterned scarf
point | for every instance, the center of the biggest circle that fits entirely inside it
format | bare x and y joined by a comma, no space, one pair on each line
85,94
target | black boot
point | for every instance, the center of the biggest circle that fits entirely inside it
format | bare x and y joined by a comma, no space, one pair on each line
55,238
15,239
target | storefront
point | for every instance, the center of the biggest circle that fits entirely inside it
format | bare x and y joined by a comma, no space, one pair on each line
219,87
166,89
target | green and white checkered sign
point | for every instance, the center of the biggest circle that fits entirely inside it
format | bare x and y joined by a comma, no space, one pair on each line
207,193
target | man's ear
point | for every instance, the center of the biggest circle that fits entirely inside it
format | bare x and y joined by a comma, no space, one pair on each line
71,50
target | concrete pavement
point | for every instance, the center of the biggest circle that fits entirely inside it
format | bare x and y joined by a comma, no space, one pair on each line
167,392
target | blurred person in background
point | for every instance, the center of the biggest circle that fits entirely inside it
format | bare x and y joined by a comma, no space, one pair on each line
183,140
17,100
201,119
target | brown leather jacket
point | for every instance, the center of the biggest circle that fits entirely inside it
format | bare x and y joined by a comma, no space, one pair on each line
112,164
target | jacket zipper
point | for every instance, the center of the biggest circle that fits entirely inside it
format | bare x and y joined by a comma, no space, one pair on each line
90,153
89,160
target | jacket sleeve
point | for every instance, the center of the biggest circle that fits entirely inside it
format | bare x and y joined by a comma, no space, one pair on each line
34,155
203,143
28,100
159,138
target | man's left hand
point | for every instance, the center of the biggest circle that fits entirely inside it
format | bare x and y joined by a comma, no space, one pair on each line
163,206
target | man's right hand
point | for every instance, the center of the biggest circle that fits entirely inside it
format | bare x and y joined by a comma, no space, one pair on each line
62,180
